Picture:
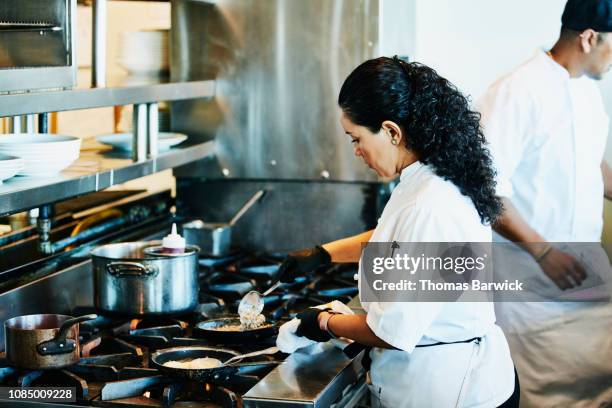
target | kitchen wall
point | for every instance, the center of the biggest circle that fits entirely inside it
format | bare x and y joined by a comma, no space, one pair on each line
474,42
471,42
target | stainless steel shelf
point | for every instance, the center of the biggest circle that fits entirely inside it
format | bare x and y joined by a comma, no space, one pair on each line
74,99
96,169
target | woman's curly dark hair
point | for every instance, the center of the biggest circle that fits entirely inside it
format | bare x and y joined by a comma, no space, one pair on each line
436,120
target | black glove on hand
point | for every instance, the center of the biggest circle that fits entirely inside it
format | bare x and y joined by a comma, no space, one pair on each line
309,326
301,262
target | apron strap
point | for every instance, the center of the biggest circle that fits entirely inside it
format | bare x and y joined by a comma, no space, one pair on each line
476,339
353,349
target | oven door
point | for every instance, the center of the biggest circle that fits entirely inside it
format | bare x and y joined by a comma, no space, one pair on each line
37,45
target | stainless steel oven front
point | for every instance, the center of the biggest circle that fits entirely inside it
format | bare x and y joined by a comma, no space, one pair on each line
37,45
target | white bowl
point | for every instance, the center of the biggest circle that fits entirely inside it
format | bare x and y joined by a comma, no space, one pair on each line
42,149
144,51
38,155
144,67
8,161
35,140
44,169
7,158
42,154
123,141
13,168
9,166
51,162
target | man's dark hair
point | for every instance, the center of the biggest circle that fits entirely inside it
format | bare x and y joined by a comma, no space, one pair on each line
567,34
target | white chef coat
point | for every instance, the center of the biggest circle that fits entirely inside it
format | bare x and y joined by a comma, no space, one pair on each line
547,134
425,208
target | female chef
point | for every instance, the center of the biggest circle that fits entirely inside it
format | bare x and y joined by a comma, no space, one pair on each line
403,118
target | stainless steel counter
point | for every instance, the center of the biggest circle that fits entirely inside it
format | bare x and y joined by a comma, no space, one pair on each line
95,170
315,376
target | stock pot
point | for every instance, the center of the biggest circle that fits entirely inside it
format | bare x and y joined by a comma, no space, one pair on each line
134,278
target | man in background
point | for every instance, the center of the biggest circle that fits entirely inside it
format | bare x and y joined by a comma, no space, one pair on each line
547,130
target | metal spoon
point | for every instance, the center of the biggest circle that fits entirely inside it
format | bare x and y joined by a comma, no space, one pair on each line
269,350
253,301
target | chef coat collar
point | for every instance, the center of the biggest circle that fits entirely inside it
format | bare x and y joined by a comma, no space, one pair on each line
408,171
556,67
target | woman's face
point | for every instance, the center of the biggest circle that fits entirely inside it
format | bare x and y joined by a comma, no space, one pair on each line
376,149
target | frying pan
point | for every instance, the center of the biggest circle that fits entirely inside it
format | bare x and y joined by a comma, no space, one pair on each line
211,375
209,329
215,375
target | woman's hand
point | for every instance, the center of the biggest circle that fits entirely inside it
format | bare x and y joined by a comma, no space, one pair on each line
309,325
353,327
301,262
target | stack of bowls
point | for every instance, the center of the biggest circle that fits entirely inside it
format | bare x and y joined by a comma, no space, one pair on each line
42,154
144,52
9,166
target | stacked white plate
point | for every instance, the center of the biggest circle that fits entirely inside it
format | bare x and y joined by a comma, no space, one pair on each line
144,52
9,166
42,154
123,141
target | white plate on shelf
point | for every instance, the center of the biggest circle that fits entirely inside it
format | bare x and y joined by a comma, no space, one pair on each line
5,175
123,141
9,162
9,166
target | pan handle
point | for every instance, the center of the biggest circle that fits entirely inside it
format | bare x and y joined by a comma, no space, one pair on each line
235,359
135,269
246,207
60,344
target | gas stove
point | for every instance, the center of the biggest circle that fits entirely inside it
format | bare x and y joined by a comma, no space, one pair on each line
115,370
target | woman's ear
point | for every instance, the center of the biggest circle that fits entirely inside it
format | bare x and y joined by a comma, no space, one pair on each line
393,131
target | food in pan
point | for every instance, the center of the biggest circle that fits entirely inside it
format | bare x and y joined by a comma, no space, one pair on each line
195,364
235,325
250,316
229,327
252,321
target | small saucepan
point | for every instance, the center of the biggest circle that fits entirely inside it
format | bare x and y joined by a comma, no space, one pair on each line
226,330
215,238
43,341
